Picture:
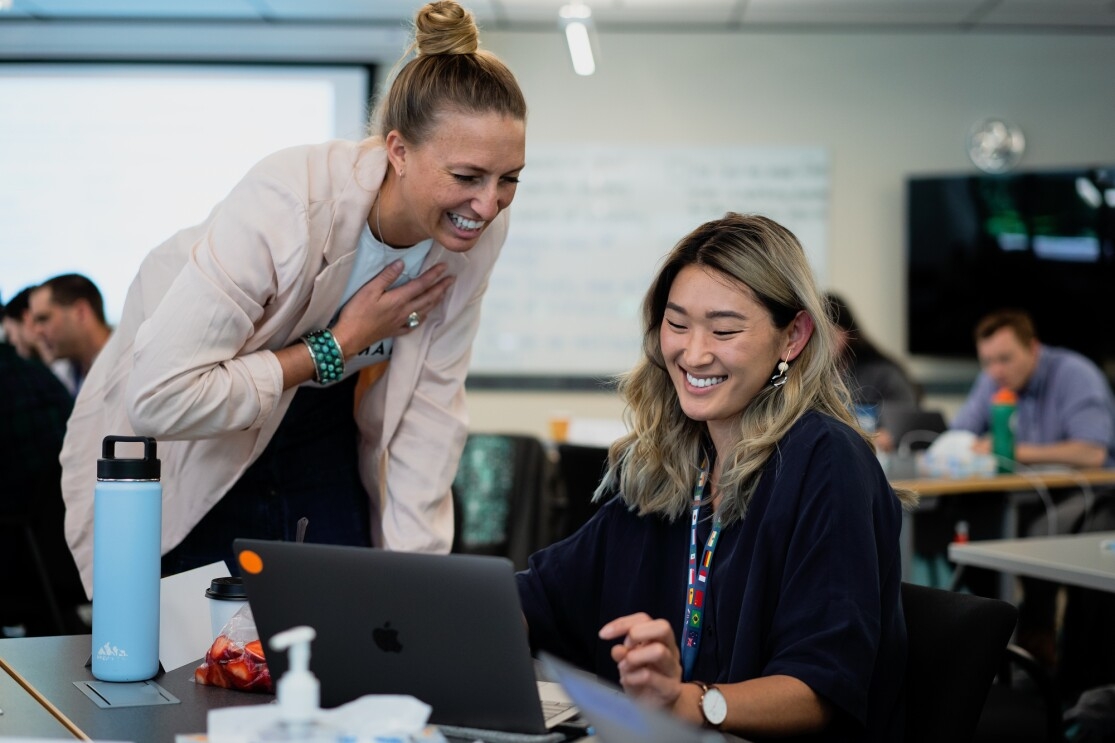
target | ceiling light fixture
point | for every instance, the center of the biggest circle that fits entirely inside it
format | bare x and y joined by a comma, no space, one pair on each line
576,18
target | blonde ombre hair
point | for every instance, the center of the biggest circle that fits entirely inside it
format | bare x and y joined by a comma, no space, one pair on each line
449,72
655,465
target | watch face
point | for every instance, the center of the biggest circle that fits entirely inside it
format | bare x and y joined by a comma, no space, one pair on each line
714,706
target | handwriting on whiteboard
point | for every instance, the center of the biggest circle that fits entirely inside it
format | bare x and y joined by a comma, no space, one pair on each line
590,224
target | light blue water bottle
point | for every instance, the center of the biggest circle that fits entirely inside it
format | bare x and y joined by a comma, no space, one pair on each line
127,534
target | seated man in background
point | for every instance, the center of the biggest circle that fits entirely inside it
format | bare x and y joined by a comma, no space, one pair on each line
1065,416
1066,413
19,329
68,317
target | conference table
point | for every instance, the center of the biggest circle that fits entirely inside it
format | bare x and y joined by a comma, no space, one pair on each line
1015,489
40,697
1085,560
1052,478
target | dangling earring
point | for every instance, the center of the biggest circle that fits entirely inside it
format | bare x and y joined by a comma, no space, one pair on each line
779,379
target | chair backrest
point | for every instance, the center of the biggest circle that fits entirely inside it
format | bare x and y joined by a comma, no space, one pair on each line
956,643
41,584
500,497
580,469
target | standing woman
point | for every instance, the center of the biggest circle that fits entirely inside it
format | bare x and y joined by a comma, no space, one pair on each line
746,576
242,338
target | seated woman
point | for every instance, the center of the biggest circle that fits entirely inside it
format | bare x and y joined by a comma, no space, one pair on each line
746,576
875,380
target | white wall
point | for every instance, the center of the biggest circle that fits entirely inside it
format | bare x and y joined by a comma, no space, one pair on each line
885,105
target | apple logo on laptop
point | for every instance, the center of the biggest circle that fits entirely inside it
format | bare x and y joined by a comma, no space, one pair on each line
387,638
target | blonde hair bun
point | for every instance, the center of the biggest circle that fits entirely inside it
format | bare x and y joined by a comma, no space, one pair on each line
444,27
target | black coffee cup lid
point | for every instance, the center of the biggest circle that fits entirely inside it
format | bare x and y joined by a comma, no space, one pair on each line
228,589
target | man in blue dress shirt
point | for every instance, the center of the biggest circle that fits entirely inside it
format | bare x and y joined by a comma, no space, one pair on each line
1065,416
1066,413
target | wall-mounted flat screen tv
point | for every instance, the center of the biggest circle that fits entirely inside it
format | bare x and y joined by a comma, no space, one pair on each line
1040,241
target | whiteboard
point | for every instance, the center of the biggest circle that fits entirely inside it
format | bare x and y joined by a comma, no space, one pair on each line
590,225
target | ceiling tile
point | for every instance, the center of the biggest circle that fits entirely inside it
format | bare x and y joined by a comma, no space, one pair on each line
117,9
1089,15
15,11
1064,13
633,13
363,10
376,10
861,12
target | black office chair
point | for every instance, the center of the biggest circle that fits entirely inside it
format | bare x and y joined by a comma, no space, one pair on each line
41,588
502,497
1023,704
580,469
956,643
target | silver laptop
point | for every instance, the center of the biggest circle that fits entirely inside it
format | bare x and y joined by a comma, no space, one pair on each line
447,629
616,717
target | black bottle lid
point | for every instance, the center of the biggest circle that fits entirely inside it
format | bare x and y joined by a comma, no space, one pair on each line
111,468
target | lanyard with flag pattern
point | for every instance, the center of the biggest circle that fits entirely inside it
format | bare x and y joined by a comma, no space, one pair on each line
698,579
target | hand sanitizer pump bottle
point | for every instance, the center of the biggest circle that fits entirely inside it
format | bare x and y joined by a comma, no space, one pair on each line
298,692
127,535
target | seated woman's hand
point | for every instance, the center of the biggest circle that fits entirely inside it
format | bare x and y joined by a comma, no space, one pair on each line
376,311
648,659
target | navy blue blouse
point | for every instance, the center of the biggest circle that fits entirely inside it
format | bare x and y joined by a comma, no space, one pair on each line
807,585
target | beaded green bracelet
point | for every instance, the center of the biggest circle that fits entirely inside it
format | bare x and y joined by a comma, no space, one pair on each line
329,360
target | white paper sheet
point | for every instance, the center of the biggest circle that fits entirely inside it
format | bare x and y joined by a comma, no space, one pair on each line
184,631
373,717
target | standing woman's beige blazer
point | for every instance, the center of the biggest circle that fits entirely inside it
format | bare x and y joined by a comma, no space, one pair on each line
192,360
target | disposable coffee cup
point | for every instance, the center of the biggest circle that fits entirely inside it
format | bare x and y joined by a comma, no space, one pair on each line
226,597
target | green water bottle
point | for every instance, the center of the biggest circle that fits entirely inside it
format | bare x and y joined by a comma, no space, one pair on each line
1003,406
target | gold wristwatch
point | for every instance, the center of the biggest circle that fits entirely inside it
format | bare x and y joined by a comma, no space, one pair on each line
712,704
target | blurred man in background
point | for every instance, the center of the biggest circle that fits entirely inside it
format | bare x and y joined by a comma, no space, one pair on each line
1065,416
68,317
1066,413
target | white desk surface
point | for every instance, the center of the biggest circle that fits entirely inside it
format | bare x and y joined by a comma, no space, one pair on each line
1076,559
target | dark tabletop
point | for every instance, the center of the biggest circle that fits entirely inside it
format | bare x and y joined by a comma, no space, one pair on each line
51,665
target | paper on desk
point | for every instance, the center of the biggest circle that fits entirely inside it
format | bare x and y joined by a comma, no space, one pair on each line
371,717
184,631
951,455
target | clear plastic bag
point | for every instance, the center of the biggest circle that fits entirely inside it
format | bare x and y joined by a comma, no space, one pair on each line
235,659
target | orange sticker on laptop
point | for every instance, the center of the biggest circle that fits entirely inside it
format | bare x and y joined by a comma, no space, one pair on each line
251,562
